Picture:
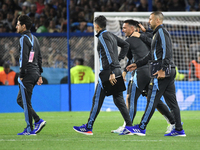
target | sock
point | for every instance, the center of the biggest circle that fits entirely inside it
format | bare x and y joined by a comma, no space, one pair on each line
124,124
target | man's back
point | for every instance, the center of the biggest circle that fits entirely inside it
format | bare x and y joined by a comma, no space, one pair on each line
82,74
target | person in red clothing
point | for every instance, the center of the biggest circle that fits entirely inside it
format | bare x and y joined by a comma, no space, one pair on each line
40,6
8,76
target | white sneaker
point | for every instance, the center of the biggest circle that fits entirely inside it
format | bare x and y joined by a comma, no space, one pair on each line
118,131
170,127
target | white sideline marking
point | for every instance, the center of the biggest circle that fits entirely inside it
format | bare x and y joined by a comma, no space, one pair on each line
17,140
100,140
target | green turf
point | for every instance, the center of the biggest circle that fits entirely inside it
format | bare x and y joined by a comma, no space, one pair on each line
59,135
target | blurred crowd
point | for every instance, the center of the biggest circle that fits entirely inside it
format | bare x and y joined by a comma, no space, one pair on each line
50,15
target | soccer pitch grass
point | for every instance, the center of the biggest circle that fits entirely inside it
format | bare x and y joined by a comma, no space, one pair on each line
58,134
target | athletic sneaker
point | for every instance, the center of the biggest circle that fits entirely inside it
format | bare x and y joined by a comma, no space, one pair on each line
134,130
170,127
27,133
83,129
127,131
118,131
176,133
39,125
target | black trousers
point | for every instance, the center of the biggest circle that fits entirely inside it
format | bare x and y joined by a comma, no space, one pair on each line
157,88
98,99
133,99
24,98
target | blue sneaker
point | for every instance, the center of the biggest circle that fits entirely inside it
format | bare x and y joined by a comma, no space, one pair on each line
39,125
127,131
27,133
138,131
83,129
134,130
176,133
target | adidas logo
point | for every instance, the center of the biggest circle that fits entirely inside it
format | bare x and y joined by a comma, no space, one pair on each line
126,131
175,133
136,130
26,133
83,129
184,103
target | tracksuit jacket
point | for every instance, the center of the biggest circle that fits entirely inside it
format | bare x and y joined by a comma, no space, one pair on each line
25,48
108,53
158,52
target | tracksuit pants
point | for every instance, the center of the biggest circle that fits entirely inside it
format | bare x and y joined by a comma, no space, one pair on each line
24,98
157,88
98,99
133,98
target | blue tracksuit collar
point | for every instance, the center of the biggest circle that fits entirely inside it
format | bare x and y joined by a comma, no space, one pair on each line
158,27
98,34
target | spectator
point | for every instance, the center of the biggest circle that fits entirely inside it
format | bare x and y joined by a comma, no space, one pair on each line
89,29
33,9
2,28
179,76
158,6
44,23
143,5
56,58
11,5
8,21
11,55
32,16
52,27
191,5
40,6
46,10
5,10
176,5
194,69
1,65
1,16
81,73
64,80
25,7
8,77
52,13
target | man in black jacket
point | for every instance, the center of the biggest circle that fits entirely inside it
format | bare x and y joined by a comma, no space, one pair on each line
161,51
140,79
30,74
109,69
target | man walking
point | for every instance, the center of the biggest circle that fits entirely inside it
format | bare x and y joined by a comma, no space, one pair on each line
30,74
140,79
161,52
109,69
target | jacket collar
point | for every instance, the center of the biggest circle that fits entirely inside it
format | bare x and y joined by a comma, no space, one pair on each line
158,27
98,34
25,32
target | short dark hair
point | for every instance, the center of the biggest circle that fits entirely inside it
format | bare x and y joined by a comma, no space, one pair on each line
79,60
6,65
24,19
158,14
132,22
101,21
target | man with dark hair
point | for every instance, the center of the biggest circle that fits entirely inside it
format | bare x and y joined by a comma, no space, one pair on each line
30,73
162,55
109,69
140,79
81,73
